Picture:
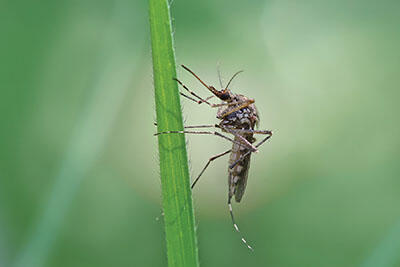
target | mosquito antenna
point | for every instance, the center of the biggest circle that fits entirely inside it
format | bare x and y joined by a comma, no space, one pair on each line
219,74
235,225
234,75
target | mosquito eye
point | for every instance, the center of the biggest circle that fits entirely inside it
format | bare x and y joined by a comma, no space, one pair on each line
224,96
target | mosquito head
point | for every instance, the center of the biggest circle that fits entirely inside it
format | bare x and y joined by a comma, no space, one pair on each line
225,95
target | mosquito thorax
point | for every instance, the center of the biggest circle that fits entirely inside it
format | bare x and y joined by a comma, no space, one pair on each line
236,117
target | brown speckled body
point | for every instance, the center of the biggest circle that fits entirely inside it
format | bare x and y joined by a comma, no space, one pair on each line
242,119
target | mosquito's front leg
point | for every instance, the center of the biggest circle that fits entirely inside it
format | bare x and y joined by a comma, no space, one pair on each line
201,126
198,126
201,100
197,101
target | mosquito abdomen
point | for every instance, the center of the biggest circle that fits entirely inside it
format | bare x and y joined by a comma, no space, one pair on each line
237,178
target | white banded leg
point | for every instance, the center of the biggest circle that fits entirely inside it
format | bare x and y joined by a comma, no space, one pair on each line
244,140
257,145
235,225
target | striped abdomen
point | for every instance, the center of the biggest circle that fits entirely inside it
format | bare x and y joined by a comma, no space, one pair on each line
237,178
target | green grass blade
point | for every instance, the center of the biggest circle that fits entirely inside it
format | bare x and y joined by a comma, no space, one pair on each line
175,183
386,253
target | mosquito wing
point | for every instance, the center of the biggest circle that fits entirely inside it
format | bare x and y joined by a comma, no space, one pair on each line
237,178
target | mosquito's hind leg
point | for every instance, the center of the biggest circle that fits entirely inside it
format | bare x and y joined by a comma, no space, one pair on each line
234,222
208,163
248,152
237,135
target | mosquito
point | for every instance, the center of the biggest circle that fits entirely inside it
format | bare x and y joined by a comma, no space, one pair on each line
238,117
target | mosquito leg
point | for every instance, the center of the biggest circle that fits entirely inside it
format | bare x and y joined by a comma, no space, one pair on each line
197,126
194,100
208,98
240,131
234,223
244,140
235,132
204,132
201,100
200,126
242,104
248,152
213,105
264,140
190,98
208,163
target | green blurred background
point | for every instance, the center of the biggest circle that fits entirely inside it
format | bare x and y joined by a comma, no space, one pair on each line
79,181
